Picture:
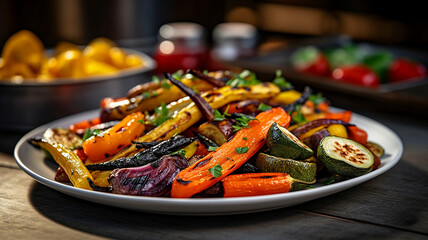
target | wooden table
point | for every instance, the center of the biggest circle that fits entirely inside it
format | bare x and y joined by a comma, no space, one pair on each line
391,206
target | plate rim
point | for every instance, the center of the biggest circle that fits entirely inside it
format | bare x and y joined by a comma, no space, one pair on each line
199,206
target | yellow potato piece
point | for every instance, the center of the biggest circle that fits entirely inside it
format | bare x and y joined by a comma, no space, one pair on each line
26,48
117,57
65,46
71,63
99,49
134,61
93,68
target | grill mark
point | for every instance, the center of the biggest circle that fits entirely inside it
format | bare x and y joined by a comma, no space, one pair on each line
184,182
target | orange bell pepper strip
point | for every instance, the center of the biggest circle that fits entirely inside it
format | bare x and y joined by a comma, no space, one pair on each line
111,141
230,155
255,184
344,116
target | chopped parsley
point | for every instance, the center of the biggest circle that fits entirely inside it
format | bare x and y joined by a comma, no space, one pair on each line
162,115
218,117
212,148
242,122
316,98
141,121
263,107
89,133
298,117
244,138
280,81
216,170
241,149
245,78
182,152
149,94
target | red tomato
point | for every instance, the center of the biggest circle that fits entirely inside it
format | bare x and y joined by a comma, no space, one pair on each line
319,66
403,69
356,74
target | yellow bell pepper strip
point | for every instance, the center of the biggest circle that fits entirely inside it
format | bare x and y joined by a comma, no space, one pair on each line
111,141
228,157
190,115
69,161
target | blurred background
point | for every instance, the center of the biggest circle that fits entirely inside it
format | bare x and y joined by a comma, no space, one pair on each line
135,24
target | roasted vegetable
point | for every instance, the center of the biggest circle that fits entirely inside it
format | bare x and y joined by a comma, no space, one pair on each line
147,156
345,157
303,98
199,101
111,141
191,114
153,179
357,134
229,156
76,171
68,139
212,132
118,109
213,81
282,143
317,123
255,184
301,170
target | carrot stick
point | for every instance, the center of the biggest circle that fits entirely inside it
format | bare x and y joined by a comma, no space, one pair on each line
229,156
254,184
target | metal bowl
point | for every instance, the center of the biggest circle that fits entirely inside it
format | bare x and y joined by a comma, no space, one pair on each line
30,104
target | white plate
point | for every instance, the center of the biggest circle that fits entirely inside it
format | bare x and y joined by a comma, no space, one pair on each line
32,162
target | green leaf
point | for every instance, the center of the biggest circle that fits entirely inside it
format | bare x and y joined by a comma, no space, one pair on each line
241,149
263,107
280,81
89,133
155,79
218,117
166,85
182,152
242,122
212,148
317,98
330,180
245,78
216,170
162,115
298,117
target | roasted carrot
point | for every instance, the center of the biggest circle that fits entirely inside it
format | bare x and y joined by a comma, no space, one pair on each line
229,156
254,184
111,141
344,116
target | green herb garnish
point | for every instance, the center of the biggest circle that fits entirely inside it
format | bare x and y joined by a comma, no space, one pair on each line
242,122
212,148
280,81
330,180
316,98
263,107
245,78
216,170
89,133
244,138
162,115
218,117
298,117
182,152
241,149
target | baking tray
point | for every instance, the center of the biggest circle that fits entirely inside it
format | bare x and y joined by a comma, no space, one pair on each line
403,96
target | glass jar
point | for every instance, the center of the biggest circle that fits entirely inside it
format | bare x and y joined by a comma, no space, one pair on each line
181,46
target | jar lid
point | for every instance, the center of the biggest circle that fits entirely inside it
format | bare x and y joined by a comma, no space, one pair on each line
181,30
234,30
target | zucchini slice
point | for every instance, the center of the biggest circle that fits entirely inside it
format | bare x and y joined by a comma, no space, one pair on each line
345,157
375,148
305,171
282,143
